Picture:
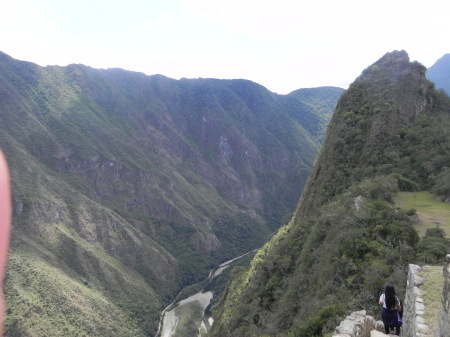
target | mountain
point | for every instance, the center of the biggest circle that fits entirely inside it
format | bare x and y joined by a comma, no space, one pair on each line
439,73
347,239
128,187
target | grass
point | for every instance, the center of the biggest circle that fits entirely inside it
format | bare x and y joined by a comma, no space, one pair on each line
432,290
431,212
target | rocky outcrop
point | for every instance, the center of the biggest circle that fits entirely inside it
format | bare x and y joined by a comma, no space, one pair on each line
358,324
204,242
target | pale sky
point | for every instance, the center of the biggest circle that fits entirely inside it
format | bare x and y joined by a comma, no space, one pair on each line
283,45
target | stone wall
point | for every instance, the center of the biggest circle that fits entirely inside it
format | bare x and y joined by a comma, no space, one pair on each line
414,325
444,315
413,322
358,324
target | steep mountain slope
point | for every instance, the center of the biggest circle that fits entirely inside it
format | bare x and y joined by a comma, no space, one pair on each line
127,187
439,73
346,238
315,116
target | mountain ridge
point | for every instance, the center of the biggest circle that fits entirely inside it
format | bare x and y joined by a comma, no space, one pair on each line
127,187
438,73
382,112
346,239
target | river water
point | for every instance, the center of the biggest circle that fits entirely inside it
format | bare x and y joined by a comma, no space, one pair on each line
169,319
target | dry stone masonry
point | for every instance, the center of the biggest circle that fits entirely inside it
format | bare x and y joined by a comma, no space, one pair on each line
444,315
358,324
414,323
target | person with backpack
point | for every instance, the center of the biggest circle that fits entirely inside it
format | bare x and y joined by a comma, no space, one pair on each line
391,308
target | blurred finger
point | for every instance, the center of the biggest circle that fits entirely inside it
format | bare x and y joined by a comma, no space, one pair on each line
5,228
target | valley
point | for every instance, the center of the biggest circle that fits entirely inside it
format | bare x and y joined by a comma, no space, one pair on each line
129,187
175,319
187,316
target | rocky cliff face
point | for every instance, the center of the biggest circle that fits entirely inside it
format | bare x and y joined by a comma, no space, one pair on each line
127,187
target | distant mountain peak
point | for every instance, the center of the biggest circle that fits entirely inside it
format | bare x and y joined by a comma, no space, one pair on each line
393,57
439,73
444,59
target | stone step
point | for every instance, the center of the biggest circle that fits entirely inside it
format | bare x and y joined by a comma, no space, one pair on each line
375,333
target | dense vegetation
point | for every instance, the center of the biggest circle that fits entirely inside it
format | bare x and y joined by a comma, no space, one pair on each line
128,187
347,239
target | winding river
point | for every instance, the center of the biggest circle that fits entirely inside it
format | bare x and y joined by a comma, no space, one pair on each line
169,320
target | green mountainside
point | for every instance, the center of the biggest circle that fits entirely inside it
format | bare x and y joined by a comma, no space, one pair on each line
127,187
347,239
439,73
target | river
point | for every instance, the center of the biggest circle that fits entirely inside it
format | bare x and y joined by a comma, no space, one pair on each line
169,319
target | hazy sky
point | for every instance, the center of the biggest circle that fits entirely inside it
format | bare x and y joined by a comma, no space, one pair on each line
282,44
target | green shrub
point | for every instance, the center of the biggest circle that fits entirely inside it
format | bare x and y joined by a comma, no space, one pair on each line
442,185
433,247
327,318
435,232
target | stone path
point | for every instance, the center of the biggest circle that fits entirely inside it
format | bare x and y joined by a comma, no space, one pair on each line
375,333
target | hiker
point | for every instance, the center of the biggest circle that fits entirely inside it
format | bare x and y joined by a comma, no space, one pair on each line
391,308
